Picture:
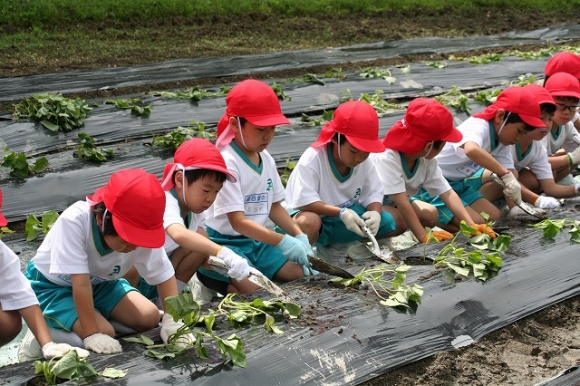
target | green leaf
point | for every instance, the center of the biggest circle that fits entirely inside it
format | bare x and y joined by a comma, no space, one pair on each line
66,367
159,354
49,125
140,339
181,305
293,309
113,373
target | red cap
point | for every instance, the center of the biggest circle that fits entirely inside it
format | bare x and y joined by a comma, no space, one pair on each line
542,95
137,203
565,61
195,153
3,221
563,84
518,100
425,120
359,123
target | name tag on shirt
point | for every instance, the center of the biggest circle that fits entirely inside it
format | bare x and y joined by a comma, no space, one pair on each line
256,204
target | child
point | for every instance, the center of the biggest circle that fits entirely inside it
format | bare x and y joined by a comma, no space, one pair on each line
563,142
409,163
77,271
17,302
531,160
334,182
485,148
238,216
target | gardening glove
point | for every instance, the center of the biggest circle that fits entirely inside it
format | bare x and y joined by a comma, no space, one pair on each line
512,188
372,220
439,235
102,344
307,247
52,350
293,249
352,221
239,268
574,156
309,271
484,228
170,327
547,202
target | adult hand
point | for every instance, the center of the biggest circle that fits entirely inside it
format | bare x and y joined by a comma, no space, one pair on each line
512,188
372,219
293,249
102,344
52,350
170,327
484,228
547,202
239,268
352,221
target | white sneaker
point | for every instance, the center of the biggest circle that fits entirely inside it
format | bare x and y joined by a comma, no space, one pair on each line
29,348
200,293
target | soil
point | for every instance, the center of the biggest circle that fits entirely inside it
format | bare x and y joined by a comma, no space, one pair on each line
524,353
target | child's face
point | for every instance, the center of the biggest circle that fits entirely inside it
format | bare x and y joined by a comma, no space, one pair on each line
350,156
538,134
117,244
566,107
201,194
429,152
255,138
511,132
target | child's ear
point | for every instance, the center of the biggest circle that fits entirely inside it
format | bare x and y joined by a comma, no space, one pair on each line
178,178
233,121
499,117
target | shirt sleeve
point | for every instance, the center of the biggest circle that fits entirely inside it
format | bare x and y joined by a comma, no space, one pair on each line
230,198
390,173
15,291
435,183
154,265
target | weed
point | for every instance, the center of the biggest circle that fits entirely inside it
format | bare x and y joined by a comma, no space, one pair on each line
379,104
524,80
133,104
280,93
436,64
19,165
487,97
454,98
86,148
376,72
195,94
181,134
318,121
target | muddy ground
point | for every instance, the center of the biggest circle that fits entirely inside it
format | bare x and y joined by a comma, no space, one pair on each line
523,353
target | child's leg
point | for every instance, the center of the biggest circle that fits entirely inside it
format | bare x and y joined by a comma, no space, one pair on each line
103,326
489,189
309,223
529,180
289,272
186,263
136,311
427,213
11,323
392,223
483,205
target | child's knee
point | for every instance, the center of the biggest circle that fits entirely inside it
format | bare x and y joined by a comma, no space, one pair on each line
11,326
309,223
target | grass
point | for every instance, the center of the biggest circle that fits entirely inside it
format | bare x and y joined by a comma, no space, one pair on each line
48,13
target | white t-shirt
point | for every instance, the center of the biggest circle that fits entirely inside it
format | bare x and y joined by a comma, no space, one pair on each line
396,177
316,178
535,159
73,246
172,215
456,166
258,187
562,139
15,290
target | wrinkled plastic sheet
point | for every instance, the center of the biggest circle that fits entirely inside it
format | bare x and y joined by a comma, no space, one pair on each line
176,70
347,337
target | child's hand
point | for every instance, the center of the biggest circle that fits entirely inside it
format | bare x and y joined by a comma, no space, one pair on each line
170,327
547,202
293,249
307,247
57,350
373,220
102,344
239,268
512,188
352,221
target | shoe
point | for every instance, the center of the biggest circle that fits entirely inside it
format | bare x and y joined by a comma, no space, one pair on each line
200,293
29,348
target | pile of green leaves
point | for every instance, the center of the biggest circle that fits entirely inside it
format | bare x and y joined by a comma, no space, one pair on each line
388,283
195,94
241,312
71,367
53,111
436,64
86,148
134,104
376,72
280,92
376,100
454,98
181,134
318,121
552,227
524,80
35,227
487,97
20,167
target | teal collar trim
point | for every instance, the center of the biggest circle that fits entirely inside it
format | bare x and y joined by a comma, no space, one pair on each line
187,218
493,141
519,151
556,134
408,173
97,238
257,169
333,167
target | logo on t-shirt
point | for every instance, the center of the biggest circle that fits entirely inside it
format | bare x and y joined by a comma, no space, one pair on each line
357,193
116,270
270,185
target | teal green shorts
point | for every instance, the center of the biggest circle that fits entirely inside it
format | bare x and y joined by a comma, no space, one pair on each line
467,190
57,304
264,257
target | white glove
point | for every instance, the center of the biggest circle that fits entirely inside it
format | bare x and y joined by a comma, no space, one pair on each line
309,271
575,156
373,220
307,247
170,327
352,221
547,202
512,188
102,344
239,268
52,350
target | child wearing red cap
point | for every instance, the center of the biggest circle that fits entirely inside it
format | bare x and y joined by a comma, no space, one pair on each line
333,191
485,148
77,271
568,62
531,159
562,143
239,215
17,302
408,163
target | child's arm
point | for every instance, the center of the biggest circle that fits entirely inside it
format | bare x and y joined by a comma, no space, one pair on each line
321,208
34,319
481,157
84,304
453,202
249,228
282,219
192,241
551,188
408,213
168,325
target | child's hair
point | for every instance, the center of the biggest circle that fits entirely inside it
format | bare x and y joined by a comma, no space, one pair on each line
242,121
340,139
515,118
193,175
548,108
108,228
437,144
